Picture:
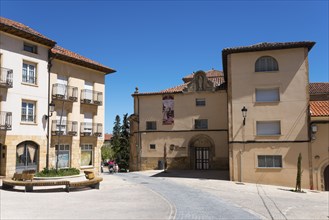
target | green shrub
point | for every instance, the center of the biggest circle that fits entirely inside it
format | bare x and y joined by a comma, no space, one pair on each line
56,173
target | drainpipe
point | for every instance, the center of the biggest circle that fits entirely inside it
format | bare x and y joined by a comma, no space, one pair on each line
48,139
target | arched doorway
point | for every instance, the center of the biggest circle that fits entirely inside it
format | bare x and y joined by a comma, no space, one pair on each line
27,156
326,178
201,150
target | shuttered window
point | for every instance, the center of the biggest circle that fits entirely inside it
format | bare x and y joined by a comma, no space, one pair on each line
268,128
268,95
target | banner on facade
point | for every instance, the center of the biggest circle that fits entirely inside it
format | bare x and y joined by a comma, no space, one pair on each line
168,109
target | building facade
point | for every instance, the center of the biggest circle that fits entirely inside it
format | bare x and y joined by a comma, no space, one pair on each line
256,124
34,73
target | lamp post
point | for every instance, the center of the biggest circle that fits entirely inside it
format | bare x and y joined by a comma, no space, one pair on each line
244,114
51,109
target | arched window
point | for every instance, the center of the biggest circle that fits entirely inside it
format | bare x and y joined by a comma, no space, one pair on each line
265,64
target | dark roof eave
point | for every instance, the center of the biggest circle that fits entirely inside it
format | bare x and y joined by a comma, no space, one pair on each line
17,32
103,69
155,93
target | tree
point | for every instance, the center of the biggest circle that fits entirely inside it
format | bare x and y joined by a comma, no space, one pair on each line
299,174
115,140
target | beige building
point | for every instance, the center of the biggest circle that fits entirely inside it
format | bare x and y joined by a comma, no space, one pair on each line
37,76
254,122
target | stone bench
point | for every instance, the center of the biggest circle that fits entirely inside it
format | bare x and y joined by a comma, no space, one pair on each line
10,183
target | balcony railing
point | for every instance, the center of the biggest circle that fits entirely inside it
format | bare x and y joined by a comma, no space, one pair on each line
66,128
91,129
6,78
64,92
5,120
91,97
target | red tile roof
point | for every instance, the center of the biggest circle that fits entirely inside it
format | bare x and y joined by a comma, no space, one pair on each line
21,30
213,75
69,56
319,88
319,108
107,137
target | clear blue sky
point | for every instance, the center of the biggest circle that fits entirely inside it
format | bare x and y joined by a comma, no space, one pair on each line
153,44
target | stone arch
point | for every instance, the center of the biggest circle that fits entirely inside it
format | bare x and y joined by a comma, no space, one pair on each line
201,141
324,178
27,156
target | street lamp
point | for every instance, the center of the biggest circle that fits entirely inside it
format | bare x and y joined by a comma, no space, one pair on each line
244,114
51,110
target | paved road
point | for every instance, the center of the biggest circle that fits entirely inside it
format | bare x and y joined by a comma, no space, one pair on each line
188,202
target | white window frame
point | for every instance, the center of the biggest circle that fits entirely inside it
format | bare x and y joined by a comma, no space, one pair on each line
203,124
267,131
87,148
63,148
269,162
264,95
30,74
25,117
199,102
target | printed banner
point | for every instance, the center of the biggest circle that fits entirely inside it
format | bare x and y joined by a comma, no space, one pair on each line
168,109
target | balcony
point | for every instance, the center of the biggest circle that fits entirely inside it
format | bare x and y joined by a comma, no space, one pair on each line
91,97
6,78
91,129
64,92
5,121
66,128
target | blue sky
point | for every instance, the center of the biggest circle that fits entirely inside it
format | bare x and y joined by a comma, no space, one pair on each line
153,44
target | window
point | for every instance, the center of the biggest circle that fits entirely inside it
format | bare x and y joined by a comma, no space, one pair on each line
86,155
269,161
268,128
29,73
267,95
265,64
28,111
152,146
200,102
201,123
151,125
30,48
63,155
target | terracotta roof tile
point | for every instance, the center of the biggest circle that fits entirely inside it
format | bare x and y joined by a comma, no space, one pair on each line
107,137
214,75
319,88
319,108
21,30
69,56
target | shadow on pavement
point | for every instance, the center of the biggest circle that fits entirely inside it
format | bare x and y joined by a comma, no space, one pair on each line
196,174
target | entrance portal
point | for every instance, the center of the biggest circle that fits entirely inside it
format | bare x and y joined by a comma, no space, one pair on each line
326,178
202,158
26,156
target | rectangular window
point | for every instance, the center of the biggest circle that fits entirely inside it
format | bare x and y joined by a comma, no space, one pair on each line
269,161
200,102
201,124
86,155
152,146
268,95
63,155
28,111
29,74
30,48
151,125
268,128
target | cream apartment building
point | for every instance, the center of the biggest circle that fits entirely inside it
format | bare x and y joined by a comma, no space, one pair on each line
36,77
258,122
